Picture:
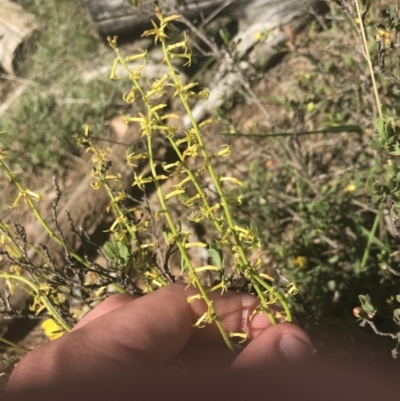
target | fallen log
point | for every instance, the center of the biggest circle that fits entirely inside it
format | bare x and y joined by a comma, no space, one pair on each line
17,29
122,18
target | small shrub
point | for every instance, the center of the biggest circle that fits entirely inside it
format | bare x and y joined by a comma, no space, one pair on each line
132,252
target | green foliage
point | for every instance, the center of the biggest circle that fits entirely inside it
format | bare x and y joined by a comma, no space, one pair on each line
366,305
216,254
117,252
385,186
328,228
56,102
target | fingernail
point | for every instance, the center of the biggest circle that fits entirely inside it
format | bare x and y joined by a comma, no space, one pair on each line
293,349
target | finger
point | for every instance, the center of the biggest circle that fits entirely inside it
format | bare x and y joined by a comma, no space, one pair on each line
106,306
262,351
149,331
130,336
275,345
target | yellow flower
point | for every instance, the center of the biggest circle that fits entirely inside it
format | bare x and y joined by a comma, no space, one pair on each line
51,329
301,262
351,187
310,107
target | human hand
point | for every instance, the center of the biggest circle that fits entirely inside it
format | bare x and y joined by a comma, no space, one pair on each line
137,335
119,351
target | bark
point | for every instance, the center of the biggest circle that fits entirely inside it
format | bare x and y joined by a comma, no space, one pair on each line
120,17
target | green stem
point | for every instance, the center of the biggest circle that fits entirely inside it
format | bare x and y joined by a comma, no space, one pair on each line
329,130
14,346
167,215
263,301
54,314
182,249
44,224
278,296
371,69
119,213
176,149
370,240
206,159
244,260
37,215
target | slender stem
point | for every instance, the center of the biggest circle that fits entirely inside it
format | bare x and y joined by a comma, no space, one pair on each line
182,249
330,130
264,302
38,216
206,159
55,315
371,69
188,171
245,265
370,239
44,224
119,212
278,296
14,346
167,215
243,261
4,228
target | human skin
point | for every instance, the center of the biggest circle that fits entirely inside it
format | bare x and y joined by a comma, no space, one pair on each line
128,348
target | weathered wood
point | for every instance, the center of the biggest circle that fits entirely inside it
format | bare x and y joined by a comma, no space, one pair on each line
16,30
119,17
122,18
229,78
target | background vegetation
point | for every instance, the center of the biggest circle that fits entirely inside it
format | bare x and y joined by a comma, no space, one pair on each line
305,169
58,100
